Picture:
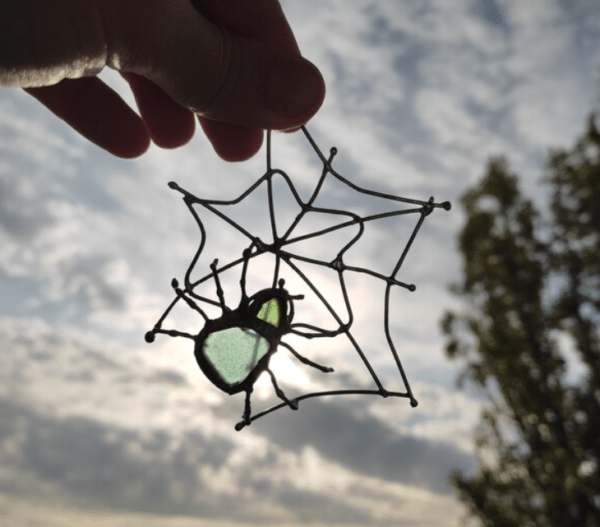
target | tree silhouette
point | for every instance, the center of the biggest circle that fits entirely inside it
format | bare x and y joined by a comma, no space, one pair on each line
529,339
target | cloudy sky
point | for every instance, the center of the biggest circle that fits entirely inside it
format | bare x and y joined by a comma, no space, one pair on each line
99,428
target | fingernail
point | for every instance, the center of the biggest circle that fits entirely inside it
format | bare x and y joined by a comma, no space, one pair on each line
294,88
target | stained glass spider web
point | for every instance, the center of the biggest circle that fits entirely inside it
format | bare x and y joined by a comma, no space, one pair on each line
281,247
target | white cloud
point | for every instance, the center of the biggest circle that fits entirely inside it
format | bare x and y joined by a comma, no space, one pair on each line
111,426
532,13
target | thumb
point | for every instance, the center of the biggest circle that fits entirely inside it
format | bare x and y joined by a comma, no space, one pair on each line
219,75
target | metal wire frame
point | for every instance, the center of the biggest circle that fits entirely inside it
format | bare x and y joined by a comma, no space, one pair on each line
278,249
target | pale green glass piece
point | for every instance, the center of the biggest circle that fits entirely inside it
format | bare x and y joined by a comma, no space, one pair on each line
269,312
235,352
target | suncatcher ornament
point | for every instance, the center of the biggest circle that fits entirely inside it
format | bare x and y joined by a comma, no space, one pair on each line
235,348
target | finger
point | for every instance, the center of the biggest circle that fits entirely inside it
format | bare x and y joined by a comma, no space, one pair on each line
169,124
98,113
262,20
232,143
219,75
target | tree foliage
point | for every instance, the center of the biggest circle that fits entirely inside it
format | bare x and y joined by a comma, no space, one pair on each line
531,297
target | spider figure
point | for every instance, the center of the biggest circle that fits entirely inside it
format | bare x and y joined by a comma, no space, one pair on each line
234,349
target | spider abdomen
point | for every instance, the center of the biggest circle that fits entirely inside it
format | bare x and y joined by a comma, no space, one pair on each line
232,358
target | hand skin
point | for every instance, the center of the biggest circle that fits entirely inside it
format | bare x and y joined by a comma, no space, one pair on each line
233,63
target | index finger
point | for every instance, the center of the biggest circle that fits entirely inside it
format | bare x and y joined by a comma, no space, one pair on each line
262,20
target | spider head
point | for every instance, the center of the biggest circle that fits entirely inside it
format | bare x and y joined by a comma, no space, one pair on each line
274,307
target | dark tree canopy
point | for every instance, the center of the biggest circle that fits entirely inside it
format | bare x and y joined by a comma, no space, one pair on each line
531,297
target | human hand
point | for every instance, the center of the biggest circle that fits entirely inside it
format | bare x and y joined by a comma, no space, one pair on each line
233,63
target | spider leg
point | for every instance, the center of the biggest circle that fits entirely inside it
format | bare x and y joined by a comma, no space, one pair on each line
246,254
247,410
306,361
171,332
292,404
220,294
180,293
